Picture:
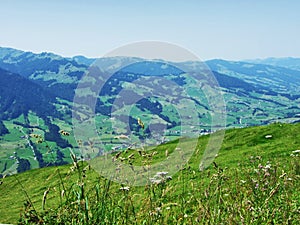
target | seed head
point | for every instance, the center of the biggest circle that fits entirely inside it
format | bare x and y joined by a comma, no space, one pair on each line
140,122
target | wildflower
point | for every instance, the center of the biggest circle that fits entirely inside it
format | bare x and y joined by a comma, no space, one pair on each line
125,188
162,174
268,166
267,174
243,182
160,177
201,167
155,181
295,153
158,209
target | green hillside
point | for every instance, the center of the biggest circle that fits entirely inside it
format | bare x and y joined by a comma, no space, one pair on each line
37,97
255,179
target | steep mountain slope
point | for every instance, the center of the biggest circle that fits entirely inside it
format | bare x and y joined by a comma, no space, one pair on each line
19,95
57,74
29,114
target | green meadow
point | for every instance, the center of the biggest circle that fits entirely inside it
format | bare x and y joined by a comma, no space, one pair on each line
254,179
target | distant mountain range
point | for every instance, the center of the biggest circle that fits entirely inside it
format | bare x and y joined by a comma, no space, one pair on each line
37,91
288,62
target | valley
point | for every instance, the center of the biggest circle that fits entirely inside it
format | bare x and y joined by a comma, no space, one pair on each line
38,91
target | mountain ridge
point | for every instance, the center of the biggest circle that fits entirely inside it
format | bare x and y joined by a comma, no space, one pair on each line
84,60
286,62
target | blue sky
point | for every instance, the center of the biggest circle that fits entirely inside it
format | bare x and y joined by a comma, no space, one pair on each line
225,29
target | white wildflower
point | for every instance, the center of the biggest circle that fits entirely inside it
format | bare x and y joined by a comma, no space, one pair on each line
158,209
162,174
268,166
155,181
125,188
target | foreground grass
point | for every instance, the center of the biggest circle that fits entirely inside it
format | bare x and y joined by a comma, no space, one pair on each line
254,180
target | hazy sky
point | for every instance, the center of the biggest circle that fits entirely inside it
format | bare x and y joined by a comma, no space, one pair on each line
228,29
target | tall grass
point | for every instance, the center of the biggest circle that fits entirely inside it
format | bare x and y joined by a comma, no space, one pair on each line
251,182
255,192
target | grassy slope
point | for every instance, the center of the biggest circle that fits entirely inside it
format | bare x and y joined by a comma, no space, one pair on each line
242,154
